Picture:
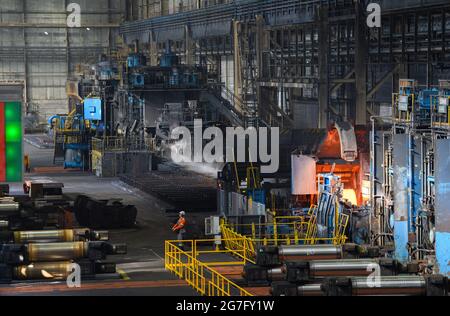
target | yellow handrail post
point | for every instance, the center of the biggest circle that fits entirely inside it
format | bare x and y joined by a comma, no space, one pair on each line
245,253
200,276
295,234
275,229
336,219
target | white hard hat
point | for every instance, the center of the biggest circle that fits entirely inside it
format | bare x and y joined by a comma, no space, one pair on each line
182,213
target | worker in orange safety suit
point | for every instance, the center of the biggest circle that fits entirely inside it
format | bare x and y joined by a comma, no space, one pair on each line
180,228
26,162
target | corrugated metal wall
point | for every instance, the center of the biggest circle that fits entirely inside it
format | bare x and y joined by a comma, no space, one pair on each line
37,47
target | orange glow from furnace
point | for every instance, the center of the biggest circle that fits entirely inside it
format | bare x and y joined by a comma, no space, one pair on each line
350,195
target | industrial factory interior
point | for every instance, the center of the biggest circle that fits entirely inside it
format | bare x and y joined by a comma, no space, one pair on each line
225,148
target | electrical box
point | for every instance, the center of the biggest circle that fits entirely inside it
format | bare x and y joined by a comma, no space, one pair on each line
403,103
93,109
443,105
212,226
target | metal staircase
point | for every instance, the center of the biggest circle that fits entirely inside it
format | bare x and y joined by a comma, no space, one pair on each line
226,106
232,107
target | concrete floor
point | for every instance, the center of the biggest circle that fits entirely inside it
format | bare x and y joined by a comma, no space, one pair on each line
144,261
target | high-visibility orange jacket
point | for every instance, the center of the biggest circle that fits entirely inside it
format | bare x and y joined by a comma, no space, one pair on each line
179,225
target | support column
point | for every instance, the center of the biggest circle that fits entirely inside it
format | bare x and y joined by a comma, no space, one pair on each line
260,45
153,50
323,68
189,47
237,60
68,58
442,178
361,52
25,58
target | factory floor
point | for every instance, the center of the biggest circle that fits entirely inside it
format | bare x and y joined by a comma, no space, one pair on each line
142,269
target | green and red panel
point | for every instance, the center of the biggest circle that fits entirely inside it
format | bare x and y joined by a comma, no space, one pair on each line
11,157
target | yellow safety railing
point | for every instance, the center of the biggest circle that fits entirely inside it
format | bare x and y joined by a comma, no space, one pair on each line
239,245
297,225
196,265
287,228
304,232
204,279
120,143
202,249
312,226
342,226
110,143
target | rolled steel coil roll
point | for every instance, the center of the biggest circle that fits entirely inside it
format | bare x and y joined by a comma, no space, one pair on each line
399,285
276,274
57,251
44,236
310,252
310,290
43,271
348,267
9,207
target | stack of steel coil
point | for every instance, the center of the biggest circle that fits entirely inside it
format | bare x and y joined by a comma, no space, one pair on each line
55,254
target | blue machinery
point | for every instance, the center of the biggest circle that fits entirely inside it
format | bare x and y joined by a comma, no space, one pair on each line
411,175
417,107
169,74
329,209
72,133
